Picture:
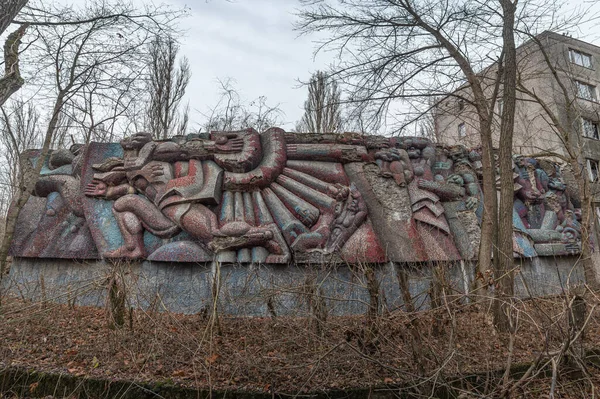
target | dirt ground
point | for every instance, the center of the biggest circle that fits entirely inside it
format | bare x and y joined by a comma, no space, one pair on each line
297,355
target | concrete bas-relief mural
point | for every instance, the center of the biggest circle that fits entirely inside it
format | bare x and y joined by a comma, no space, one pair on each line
277,198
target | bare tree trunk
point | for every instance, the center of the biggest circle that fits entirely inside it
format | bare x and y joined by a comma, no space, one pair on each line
484,114
8,11
587,224
489,232
322,111
12,80
28,179
504,263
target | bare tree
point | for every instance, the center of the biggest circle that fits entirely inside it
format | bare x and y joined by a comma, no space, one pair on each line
78,53
563,113
322,109
101,113
505,261
11,81
8,11
400,50
20,128
19,131
231,113
168,81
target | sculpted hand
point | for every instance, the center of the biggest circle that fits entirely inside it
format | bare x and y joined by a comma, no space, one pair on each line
157,170
471,202
144,156
388,156
140,139
455,179
422,183
96,189
227,145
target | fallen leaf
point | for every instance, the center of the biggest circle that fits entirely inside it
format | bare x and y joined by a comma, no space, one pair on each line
178,373
212,359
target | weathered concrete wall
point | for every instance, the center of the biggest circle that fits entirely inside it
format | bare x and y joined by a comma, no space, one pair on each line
261,290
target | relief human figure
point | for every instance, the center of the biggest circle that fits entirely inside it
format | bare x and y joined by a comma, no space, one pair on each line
456,185
350,214
63,178
395,163
166,187
427,209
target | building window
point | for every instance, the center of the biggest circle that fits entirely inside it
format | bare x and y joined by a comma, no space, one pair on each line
590,129
592,166
585,91
462,131
579,58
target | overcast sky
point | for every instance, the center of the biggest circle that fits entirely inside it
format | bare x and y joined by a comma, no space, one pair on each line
254,43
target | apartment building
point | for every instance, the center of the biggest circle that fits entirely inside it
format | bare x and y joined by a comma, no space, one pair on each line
573,98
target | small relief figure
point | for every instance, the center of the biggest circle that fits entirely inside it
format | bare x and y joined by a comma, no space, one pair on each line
60,228
166,187
570,227
63,177
527,194
557,191
428,211
455,182
395,163
464,166
350,215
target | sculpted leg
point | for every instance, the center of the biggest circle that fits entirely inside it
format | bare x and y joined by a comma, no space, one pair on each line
133,234
202,223
134,214
66,186
199,221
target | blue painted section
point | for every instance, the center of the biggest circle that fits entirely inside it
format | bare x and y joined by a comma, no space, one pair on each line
45,169
517,222
63,170
521,238
525,245
53,201
102,219
106,223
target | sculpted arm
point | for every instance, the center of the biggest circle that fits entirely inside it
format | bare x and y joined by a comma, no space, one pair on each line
196,149
99,189
447,192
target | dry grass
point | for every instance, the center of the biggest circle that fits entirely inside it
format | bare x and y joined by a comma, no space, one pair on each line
291,354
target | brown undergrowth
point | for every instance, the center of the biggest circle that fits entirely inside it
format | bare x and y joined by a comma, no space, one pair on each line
280,354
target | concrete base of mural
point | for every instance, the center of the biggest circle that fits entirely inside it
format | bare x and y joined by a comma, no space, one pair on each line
264,290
